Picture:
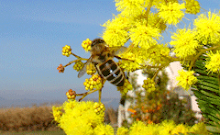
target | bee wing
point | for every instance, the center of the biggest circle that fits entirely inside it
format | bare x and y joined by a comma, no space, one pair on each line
83,70
118,50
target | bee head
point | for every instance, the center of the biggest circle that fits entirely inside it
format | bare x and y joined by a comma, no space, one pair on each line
97,41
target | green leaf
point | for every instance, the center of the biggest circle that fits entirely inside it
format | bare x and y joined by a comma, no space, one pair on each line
213,129
209,84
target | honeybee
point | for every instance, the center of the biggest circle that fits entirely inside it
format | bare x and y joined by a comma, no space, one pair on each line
102,57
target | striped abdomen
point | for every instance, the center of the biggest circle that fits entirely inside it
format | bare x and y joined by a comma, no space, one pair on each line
110,71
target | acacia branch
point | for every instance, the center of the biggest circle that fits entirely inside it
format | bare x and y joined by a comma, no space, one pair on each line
86,93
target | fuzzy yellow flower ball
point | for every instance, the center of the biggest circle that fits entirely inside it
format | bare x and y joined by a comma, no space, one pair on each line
184,43
207,27
171,12
192,6
186,79
213,64
80,118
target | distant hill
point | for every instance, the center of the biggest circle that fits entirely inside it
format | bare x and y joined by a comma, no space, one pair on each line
6,103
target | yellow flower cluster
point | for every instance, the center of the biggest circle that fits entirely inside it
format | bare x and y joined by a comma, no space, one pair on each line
138,128
186,79
57,113
184,42
158,55
143,28
199,129
90,69
86,44
99,107
80,118
103,130
180,129
136,23
144,36
95,82
213,63
78,65
164,128
66,51
192,6
208,28
149,85
122,131
171,12
115,33
130,7
155,21
134,59
125,88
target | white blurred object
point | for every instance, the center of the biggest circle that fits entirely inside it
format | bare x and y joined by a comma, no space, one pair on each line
172,72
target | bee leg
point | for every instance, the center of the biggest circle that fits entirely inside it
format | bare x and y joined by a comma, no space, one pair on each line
122,58
100,91
100,95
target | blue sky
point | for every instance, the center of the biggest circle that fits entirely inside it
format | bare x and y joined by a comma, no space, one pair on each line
32,34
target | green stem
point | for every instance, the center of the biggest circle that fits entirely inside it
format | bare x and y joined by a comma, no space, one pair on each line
148,66
86,93
76,55
100,91
82,59
148,9
70,63
100,95
92,91
171,59
157,73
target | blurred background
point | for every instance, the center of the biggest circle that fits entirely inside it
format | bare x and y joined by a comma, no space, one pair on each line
32,34
31,40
